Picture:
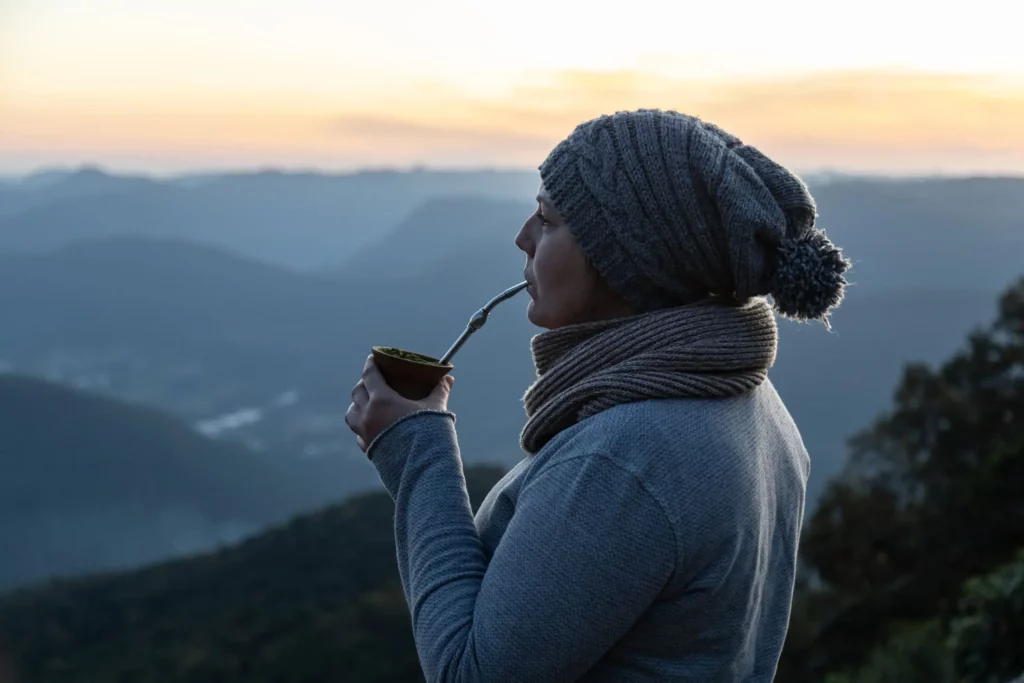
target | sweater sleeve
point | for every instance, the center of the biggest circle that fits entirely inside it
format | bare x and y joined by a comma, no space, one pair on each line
586,552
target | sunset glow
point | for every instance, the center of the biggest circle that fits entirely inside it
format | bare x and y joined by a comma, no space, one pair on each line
168,86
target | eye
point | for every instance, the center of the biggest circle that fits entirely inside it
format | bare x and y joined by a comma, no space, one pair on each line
540,216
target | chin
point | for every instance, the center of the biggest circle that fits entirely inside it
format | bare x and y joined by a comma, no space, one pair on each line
535,315
542,318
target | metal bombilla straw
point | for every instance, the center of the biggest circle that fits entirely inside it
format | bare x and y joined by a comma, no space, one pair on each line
479,318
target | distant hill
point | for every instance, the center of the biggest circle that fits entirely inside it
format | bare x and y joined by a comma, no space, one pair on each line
941,233
267,355
89,483
45,187
313,220
202,332
303,220
126,288
217,335
438,231
316,599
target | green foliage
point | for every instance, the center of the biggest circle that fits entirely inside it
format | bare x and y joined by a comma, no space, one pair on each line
930,498
915,652
988,632
981,644
316,599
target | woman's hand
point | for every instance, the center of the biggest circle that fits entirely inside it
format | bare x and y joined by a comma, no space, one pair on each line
376,406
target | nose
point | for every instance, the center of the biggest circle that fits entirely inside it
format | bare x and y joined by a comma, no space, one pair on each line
523,240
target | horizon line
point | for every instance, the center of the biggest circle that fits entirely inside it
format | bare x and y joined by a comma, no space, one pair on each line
369,169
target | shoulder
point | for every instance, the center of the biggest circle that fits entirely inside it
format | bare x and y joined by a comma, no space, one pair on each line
702,429
698,457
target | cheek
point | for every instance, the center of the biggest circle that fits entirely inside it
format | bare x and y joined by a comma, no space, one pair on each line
563,285
552,268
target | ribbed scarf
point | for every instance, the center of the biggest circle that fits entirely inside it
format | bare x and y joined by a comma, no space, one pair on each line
702,350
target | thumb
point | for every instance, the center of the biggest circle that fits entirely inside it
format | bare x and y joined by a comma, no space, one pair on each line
443,389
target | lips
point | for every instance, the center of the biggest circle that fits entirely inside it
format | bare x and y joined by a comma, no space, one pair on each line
531,288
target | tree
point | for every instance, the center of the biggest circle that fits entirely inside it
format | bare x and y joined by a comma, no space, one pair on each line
988,631
930,497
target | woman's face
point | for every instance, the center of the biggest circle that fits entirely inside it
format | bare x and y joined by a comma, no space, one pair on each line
564,288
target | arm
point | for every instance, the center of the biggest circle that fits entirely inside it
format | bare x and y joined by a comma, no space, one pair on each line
587,551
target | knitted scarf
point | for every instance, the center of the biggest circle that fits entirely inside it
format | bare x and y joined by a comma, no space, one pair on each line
703,350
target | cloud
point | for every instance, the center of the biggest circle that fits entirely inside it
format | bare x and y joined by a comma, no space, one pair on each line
393,131
864,120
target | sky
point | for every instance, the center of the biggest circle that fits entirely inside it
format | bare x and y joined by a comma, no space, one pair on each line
875,86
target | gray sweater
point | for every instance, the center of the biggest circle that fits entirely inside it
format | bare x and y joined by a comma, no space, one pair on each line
655,541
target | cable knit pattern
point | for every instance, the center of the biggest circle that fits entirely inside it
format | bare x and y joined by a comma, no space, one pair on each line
703,350
670,209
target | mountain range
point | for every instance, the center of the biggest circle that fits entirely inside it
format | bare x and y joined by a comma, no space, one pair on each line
315,599
201,316
89,483
301,220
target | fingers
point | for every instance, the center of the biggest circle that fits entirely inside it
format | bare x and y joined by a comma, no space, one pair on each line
372,399
353,418
372,378
360,395
356,413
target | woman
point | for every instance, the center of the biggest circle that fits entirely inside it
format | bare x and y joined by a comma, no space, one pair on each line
650,534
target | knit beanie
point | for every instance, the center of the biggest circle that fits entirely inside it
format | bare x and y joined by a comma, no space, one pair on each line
670,209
